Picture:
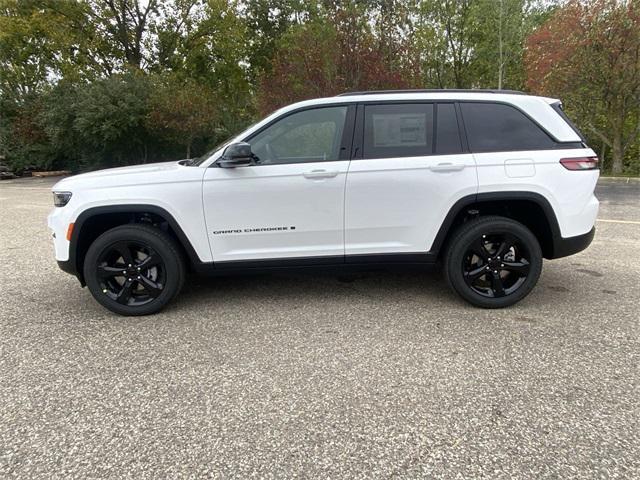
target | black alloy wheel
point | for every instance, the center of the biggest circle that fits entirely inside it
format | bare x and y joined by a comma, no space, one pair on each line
496,264
131,273
493,262
134,269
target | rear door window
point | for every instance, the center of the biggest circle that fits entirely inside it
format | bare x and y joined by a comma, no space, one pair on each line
398,130
493,127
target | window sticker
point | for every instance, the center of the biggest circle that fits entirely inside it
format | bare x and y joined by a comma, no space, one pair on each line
400,130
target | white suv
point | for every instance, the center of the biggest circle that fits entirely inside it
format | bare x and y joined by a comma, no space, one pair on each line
487,183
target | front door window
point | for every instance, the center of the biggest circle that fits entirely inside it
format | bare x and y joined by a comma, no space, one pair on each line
302,137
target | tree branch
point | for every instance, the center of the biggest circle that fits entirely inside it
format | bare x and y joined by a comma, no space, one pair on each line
599,134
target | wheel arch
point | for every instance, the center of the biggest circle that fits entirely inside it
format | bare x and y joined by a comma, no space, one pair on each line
94,221
529,208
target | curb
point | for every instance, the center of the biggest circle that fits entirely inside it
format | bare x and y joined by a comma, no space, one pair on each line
620,179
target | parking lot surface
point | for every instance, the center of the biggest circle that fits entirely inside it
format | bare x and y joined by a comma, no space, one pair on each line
375,375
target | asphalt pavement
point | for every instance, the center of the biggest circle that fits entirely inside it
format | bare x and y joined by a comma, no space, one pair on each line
321,376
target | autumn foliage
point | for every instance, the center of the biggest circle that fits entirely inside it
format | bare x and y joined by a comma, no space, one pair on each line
91,83
588,53
333,55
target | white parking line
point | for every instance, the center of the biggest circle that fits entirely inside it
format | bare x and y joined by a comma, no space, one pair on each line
631,222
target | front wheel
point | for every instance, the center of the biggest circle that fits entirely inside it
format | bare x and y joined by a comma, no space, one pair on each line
134,269
493,262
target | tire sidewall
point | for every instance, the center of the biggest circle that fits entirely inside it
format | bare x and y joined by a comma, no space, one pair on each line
159,242
459,246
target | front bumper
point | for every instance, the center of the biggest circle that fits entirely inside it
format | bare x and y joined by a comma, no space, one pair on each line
58,222
563,247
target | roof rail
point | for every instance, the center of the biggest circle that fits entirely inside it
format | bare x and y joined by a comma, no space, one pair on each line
433,90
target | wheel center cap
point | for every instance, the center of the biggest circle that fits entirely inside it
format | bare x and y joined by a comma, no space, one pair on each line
494,263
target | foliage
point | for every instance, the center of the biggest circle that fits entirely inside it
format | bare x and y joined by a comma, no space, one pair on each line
93,83
182,112
342,48
590,55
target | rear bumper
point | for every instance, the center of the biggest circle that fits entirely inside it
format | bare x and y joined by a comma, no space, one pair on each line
563,247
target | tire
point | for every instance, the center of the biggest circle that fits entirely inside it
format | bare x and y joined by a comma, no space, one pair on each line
493,262
134,269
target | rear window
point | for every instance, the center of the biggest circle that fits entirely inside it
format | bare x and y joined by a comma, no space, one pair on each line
493,127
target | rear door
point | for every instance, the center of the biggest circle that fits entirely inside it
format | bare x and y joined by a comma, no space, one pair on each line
409,167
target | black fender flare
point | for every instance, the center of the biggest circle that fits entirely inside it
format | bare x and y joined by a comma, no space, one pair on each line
73,262
506,196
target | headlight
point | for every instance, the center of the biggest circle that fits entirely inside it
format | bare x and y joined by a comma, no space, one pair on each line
60,199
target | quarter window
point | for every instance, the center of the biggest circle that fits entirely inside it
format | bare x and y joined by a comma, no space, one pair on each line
307,136
398,130
495,127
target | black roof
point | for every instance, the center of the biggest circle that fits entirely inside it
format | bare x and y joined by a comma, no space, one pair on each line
434,90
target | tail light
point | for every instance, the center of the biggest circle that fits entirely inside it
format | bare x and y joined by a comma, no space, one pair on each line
580,163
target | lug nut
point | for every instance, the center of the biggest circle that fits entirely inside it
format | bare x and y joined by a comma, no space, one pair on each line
502,264
138,277
124,272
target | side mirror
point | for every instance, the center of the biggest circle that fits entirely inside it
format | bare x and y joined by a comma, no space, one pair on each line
236,155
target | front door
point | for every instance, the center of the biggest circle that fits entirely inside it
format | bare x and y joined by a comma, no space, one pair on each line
290,204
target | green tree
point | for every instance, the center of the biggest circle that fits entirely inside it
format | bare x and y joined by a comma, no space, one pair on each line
340,49
182,112
504,26
446,34
590,56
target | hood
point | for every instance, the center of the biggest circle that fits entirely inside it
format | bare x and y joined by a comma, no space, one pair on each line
133,175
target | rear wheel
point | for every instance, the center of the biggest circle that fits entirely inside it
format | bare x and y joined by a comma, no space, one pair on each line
134,269
493,262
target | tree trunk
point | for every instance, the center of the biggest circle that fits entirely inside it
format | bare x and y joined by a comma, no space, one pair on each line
500,53
617,154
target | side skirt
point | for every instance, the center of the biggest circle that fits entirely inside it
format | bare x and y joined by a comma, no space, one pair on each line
393,261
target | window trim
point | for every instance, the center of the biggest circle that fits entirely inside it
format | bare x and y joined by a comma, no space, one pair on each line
345,142
462,136
358,140
358,135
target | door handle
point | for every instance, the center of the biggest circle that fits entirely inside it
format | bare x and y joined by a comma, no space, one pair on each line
448,167
320,174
